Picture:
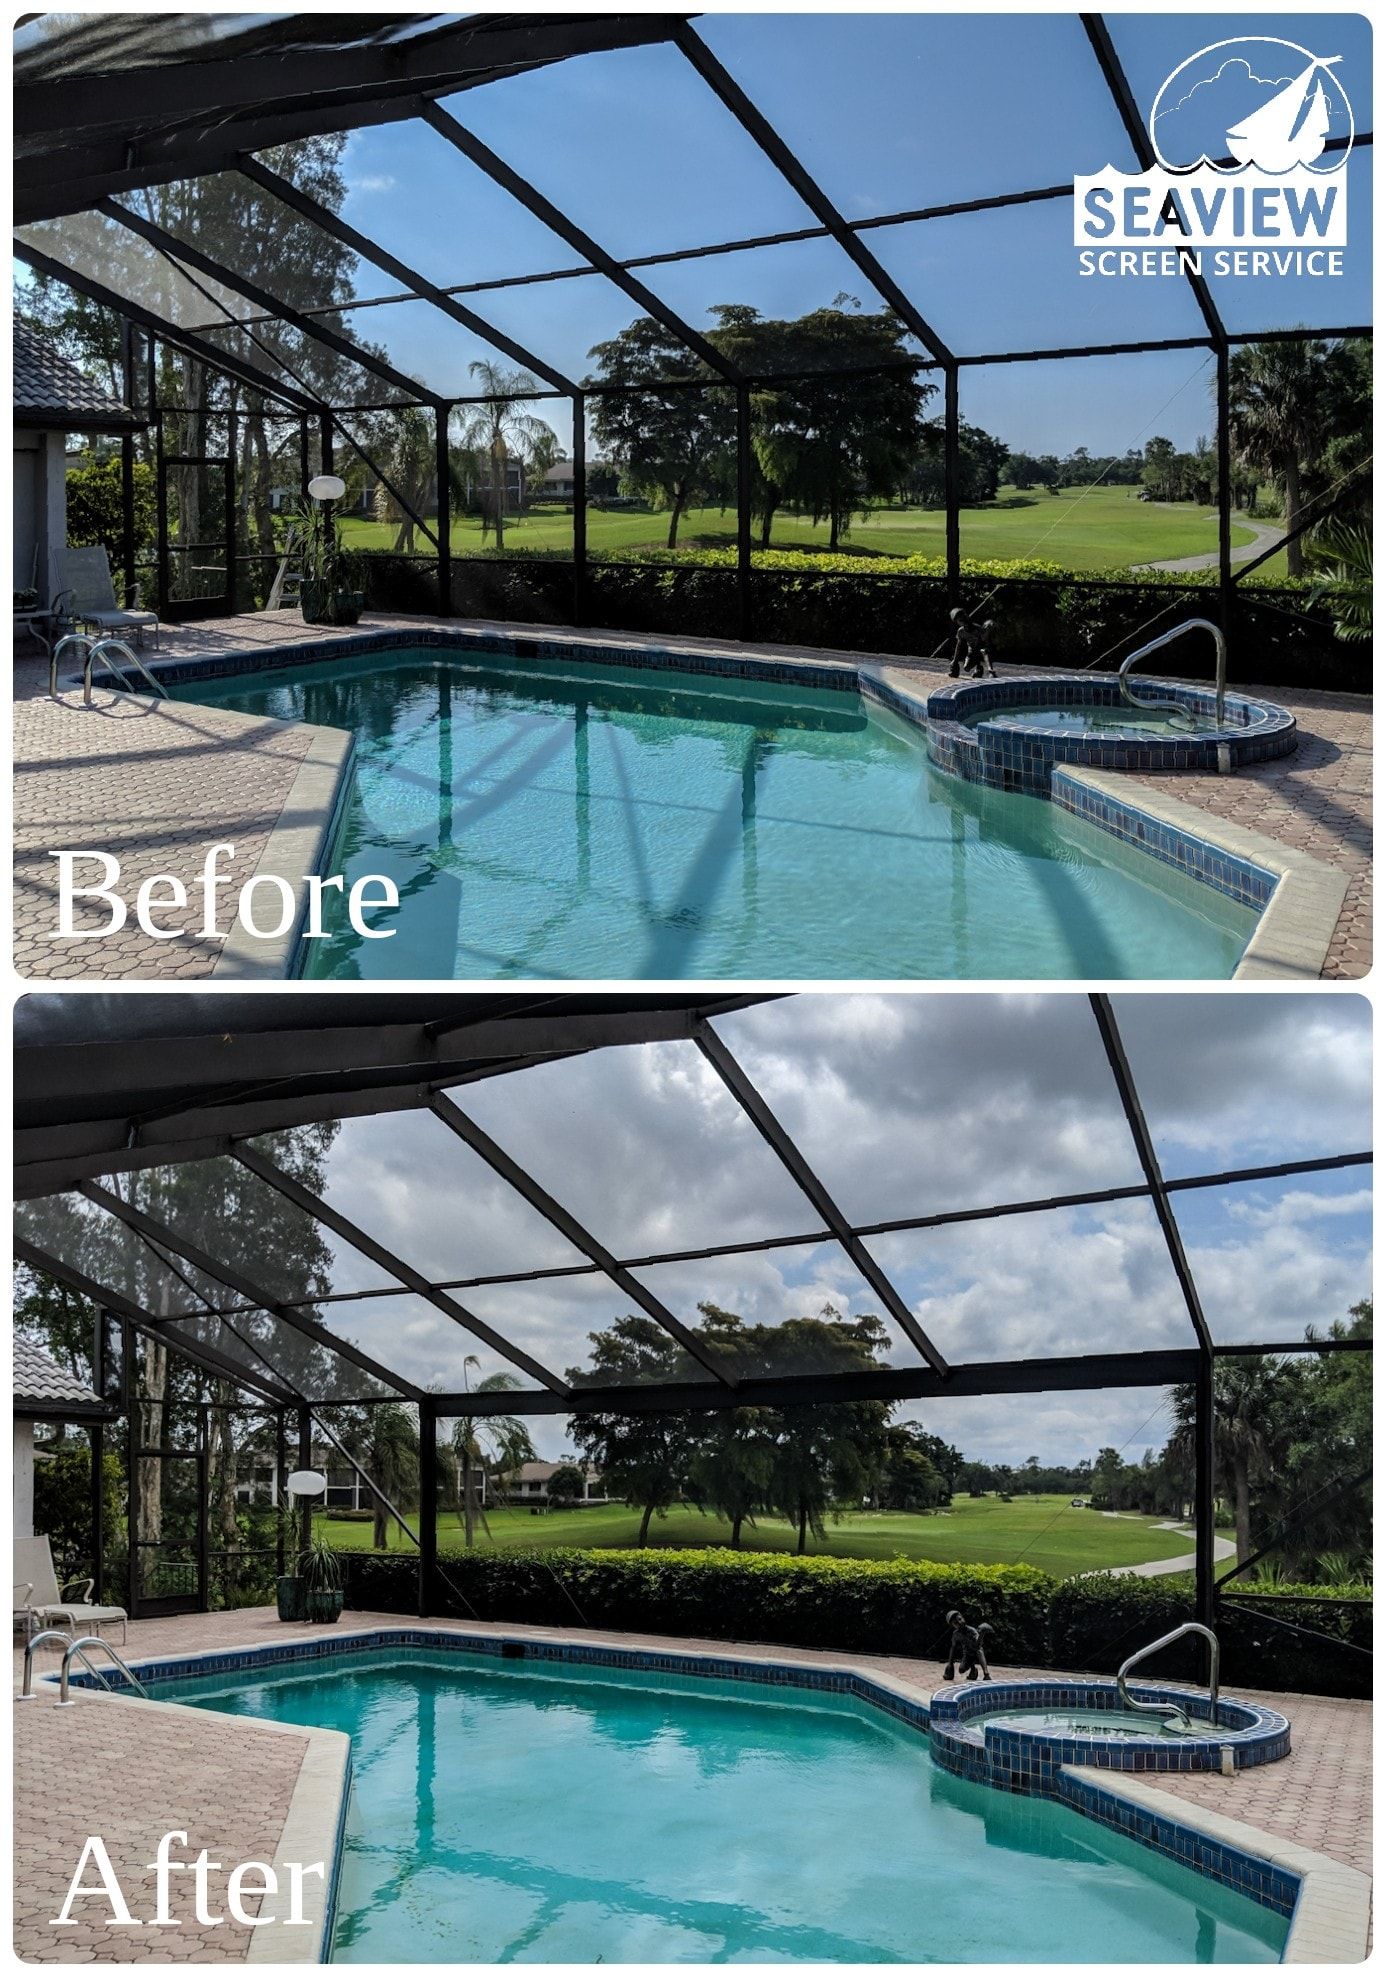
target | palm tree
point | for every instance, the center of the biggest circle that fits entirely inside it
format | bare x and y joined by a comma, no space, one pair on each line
1244,1399
408,458
495,1442
389,1454
1288,400
491,431
1340,554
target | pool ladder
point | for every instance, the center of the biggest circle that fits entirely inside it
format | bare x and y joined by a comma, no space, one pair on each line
77,1649
1174,1717
1168,638
100,648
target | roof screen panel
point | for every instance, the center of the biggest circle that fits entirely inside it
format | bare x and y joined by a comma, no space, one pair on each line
1253,1081
1056,1283
893,112
75,1231
1248,302
1274,1258
105,251
646,1147
784,1300
556,1320
411,1337
908,1105
635,148
1009,280
1153,44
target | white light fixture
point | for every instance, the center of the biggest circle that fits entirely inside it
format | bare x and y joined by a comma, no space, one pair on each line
327,487
306,1482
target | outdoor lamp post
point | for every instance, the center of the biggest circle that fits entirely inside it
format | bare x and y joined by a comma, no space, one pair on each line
332,606
305,1484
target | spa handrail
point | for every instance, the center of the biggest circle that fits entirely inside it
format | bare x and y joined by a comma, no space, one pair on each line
1168,638
1170,1710
79,1648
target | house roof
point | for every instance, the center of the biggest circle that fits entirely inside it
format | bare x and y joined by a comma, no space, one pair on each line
51,394
41,1387
542,1472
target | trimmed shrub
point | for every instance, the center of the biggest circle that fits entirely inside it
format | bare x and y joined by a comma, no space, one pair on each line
882,1607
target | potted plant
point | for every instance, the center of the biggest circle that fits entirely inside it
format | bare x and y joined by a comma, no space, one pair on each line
320,1570
323,596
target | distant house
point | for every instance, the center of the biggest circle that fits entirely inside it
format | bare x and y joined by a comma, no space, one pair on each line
530,1483
42,1392
558,485
51,400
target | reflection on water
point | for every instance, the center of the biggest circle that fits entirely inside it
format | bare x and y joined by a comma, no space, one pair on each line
593,821
554,1814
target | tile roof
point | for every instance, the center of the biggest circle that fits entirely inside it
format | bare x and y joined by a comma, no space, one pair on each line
44,381
36,1378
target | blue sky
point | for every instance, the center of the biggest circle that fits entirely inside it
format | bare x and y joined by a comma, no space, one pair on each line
904,1105
890,112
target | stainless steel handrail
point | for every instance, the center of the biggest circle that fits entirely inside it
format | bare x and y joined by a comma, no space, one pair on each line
102,650
26,1693
1168,638
1175,1717
79,1648
69,638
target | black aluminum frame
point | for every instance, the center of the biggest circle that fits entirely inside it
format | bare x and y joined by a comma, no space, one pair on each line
324,90
367,1068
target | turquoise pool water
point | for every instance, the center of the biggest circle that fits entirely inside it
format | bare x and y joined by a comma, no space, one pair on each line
1099,720
592,822
507,1812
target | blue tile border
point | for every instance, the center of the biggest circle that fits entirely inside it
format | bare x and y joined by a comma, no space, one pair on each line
992,1757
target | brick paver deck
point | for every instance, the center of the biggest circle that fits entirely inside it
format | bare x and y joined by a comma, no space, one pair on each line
158,786
96,1777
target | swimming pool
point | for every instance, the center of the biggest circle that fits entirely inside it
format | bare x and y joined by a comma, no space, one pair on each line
562,820
562,1812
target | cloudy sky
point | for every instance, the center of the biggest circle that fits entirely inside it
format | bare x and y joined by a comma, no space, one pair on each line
905,1105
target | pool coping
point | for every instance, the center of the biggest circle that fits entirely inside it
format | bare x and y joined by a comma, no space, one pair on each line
1299,898
1328,1922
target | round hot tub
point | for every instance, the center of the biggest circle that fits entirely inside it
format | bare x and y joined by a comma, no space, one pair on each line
1018,1735
1012,733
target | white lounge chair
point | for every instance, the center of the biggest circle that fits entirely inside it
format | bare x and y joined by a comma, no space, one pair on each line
88,596
39,1600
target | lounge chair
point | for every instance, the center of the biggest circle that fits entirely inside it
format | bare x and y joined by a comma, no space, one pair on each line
88,596
41,1602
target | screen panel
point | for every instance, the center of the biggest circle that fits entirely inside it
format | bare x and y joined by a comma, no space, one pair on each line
1274,1258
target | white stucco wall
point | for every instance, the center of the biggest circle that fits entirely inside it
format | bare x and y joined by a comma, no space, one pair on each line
40,511
24,1479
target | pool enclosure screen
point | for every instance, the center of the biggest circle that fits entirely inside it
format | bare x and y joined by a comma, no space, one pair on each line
525,1205
387,242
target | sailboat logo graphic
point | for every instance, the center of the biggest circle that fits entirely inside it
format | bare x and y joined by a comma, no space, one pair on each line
1255,102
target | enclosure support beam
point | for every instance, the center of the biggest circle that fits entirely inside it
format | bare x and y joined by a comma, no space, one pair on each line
97,1433
794,1163
127,460
305,1461
579,508
1205,1488
442,470
1226,592
952,466
568,1226
743,511
371,251
758,127
581,243
1150,1165
409,1277
226,1273
428,1504
281,1470
132,1440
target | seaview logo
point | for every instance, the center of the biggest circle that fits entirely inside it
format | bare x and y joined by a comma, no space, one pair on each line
1245,183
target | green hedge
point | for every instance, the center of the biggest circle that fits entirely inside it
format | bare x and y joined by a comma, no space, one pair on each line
1043,614
876,1607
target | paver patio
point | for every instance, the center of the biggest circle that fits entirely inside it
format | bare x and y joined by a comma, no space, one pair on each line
229,1785
157,783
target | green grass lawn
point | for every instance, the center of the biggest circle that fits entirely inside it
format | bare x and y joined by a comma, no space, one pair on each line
1106,529
1041,1530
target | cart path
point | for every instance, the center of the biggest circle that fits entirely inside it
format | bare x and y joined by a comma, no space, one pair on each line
1156,1568
1264,534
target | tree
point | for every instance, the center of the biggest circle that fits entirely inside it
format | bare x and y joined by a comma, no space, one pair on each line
95,506
1244,1402
643,1457
387,1448
732,1469
829,445
1340,555
493,430
405,449
1287,402
664,441
829,1451
493,1444
567,1485
980,461
907,1478
62,1504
